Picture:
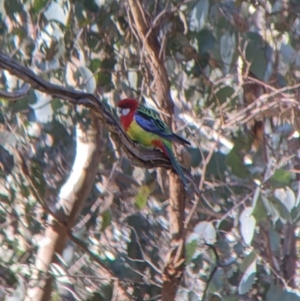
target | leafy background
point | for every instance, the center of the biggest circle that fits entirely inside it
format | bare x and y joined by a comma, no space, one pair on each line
234,68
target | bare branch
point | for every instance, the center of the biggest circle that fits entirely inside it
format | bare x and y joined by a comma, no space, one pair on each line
140,156
13,96
174,267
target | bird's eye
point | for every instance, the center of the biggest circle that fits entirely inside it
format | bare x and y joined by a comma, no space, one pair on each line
125,112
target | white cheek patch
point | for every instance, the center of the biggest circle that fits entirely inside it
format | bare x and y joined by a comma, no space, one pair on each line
125,112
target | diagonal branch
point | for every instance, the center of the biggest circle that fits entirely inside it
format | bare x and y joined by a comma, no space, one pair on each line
141,156
173,270
13,96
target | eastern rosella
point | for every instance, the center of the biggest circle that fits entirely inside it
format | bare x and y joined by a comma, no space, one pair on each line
144,126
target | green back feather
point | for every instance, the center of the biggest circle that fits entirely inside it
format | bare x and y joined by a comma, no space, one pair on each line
152,114
159,127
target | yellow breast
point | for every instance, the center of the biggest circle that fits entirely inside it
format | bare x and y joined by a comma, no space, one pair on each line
136,133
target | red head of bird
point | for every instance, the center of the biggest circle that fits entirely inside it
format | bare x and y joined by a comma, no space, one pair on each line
128,107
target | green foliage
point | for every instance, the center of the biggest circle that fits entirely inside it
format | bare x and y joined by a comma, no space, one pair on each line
255,53
275,293
224,95
248,260
281,178
12,7
36,173
142,197
106,220
217,165
235,162
23,104
260,212
38,5
190,249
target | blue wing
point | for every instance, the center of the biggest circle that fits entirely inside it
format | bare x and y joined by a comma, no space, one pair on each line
149,120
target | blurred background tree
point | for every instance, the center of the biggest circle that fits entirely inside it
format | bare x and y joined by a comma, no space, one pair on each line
81,221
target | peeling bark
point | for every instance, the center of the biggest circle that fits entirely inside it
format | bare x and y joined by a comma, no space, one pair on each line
174,267
72,198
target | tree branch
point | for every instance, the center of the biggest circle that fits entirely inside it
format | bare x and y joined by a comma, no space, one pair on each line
141,156
72,197
174,267
13,96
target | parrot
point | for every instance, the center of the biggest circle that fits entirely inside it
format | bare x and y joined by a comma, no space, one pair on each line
144,126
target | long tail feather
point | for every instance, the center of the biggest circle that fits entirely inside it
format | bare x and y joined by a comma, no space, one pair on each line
179,139
169,152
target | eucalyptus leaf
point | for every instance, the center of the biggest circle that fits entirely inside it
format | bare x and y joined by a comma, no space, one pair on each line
142,197
281,178
227,49
286,196
206,231
106,219
270,209
235,162
199,14
276,293
56,12
190,249
248,278
256,55
88,79
248,224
